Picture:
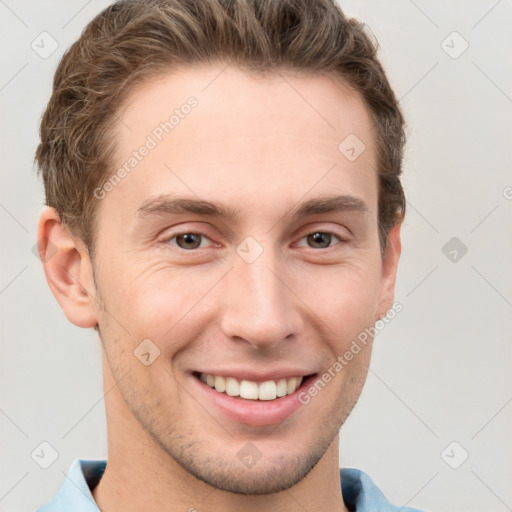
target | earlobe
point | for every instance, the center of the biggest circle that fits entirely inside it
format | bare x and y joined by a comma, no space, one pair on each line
67,268
389,270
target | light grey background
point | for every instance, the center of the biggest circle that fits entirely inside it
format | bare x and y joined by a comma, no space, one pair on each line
440,371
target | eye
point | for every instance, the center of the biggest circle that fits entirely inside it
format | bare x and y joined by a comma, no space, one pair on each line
321,239
194,240
188,241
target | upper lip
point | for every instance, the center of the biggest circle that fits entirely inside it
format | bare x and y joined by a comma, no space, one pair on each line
251,374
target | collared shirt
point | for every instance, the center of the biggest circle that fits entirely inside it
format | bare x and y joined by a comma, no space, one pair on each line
359,492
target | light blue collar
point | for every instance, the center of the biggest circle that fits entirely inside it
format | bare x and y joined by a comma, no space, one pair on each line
358,489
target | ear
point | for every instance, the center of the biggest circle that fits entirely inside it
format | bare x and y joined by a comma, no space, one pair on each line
389,269
68,269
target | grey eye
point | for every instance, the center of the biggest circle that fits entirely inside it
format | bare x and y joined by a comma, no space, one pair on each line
319,239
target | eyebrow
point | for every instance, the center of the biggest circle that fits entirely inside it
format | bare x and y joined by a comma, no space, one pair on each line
164,204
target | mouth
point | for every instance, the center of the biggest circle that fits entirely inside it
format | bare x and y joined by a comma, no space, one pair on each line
240,401
251,390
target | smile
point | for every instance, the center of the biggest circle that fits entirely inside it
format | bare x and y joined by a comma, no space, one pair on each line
251,390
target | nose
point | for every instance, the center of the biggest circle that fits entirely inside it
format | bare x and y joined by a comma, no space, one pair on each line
258,305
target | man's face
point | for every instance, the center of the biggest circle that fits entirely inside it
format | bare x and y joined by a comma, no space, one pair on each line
249,296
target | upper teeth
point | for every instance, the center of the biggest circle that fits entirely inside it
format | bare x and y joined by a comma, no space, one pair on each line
251,390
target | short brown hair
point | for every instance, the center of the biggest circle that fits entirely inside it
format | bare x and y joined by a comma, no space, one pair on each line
133,40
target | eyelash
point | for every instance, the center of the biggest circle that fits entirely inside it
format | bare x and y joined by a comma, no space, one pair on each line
168,240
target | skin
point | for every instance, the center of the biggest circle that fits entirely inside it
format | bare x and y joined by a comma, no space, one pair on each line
255,145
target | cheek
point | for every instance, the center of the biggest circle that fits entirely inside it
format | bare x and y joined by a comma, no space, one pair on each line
344,298
159,303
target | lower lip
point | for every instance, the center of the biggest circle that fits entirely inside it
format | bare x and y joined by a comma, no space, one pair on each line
253,412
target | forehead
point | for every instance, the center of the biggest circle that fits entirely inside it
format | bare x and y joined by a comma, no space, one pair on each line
219,131
233,103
